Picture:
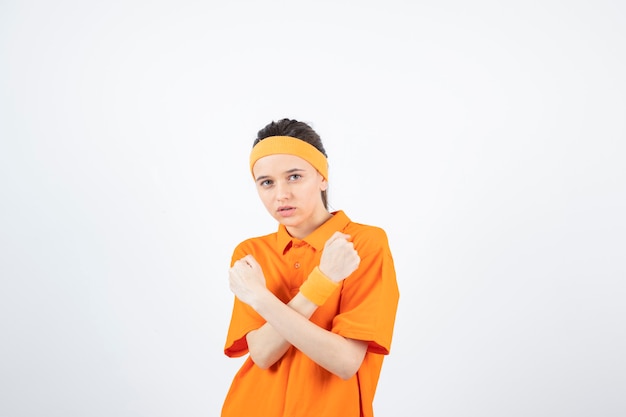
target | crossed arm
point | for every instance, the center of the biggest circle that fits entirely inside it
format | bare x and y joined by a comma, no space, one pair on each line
289,324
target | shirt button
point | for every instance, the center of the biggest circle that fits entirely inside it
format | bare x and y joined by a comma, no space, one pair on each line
296,265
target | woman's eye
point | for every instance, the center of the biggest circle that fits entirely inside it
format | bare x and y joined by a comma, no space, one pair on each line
295,177
266,183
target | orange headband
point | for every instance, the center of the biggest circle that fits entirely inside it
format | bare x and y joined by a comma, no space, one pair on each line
291,146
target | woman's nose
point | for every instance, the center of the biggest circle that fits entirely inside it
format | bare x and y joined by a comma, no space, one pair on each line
282,190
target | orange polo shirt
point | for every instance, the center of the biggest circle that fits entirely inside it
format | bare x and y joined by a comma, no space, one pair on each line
363,307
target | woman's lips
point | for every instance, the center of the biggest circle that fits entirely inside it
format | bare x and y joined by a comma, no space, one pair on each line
286,211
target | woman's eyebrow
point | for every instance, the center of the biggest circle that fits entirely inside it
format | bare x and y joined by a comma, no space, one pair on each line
289,171
292,170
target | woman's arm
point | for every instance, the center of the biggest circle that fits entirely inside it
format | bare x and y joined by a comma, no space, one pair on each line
266,345
289,323
335,353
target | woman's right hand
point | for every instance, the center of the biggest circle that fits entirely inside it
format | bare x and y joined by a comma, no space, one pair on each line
339,258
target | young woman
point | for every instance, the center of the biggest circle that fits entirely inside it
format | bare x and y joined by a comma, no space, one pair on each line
315,301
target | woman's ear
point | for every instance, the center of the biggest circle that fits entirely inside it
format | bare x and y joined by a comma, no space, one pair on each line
324,185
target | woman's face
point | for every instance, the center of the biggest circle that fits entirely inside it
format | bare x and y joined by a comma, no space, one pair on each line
290,189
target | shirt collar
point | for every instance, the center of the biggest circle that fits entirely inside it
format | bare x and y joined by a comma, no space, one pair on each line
318,237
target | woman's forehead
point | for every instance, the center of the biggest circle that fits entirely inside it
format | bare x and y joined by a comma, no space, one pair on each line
277,164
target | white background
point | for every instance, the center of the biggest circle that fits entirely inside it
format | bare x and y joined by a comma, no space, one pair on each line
487,138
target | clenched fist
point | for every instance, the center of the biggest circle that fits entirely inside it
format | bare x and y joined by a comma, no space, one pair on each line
246,279
339,258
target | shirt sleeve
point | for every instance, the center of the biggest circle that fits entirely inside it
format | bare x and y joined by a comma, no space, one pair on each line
369,296
243,320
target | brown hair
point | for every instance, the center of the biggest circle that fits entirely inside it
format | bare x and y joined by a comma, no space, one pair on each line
295,129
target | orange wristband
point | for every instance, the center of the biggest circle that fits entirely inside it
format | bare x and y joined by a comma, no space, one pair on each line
318,287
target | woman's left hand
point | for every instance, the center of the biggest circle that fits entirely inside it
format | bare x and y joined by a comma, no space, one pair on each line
246,279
